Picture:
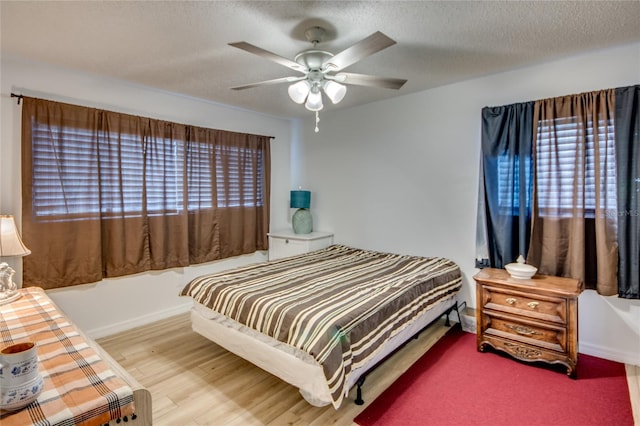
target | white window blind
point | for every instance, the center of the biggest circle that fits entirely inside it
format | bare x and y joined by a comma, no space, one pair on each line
560,188
164,176
240,177
509,183
201,175
118,161
78,174
65,171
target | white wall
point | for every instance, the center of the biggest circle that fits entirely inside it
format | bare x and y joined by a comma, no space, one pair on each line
117,304
399,175
402,175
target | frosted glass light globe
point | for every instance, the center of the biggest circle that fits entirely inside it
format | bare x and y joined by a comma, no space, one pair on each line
298,91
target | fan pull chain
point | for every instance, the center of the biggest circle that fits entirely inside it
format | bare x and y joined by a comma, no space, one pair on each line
317,121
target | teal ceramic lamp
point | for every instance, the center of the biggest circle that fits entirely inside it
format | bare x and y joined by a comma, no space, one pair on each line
302,223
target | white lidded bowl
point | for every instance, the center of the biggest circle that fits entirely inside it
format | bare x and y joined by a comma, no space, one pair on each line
520,270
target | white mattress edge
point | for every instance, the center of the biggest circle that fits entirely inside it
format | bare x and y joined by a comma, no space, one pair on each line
291,364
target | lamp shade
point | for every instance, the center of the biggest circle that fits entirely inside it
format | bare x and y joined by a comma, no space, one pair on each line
298,91
10,242
300,199
314,100
335,91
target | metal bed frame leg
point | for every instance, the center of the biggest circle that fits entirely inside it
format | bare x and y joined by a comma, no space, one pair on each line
451,309
359,383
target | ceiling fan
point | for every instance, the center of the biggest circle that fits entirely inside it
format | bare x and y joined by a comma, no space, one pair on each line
322,70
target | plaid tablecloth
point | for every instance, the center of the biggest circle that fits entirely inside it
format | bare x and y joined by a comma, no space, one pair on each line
79,387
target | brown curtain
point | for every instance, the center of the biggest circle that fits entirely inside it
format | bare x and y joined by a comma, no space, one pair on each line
108,194
574,203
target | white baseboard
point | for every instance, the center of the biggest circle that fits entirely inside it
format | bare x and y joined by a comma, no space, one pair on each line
128,324
603,352
607,353
96,333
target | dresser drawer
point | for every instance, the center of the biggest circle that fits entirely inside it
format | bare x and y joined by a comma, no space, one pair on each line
522,351
546,308
526,331
286,243
285,247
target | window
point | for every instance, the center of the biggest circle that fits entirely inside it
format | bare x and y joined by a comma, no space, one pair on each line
558,173
583,219
235,183
70,164
107,194
509,183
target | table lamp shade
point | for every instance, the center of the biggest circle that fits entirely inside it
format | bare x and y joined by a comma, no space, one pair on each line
10,245
10,242
300,199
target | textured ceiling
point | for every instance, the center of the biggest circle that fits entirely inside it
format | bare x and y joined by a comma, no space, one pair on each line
181,46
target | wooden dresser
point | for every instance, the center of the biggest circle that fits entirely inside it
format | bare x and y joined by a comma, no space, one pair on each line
531,319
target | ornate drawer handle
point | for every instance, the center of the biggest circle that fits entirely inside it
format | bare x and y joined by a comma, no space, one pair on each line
520,329
510,300
533,305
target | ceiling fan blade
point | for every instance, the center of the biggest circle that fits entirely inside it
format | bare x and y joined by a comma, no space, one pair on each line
365,47
369,80
268,82
247,47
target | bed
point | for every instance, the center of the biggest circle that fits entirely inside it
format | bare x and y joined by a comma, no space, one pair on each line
321,320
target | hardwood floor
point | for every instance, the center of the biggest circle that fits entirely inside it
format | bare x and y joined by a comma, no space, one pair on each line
195,382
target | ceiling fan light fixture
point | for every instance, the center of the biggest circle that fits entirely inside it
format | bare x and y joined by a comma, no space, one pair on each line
322,70
299,91
335,91
314,100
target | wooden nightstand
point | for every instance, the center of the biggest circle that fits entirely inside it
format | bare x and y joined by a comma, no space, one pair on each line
532,320
288,243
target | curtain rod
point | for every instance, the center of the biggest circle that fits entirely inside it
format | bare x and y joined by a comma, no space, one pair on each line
14,95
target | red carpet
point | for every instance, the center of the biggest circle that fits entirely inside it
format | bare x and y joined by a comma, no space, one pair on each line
454,384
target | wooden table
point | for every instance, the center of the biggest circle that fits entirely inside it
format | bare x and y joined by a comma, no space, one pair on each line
530,319
82,383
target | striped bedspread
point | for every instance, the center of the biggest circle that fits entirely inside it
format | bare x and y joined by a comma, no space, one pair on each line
338,304
79,387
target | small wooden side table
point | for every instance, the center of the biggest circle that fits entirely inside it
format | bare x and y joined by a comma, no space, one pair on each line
287,243
530,319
